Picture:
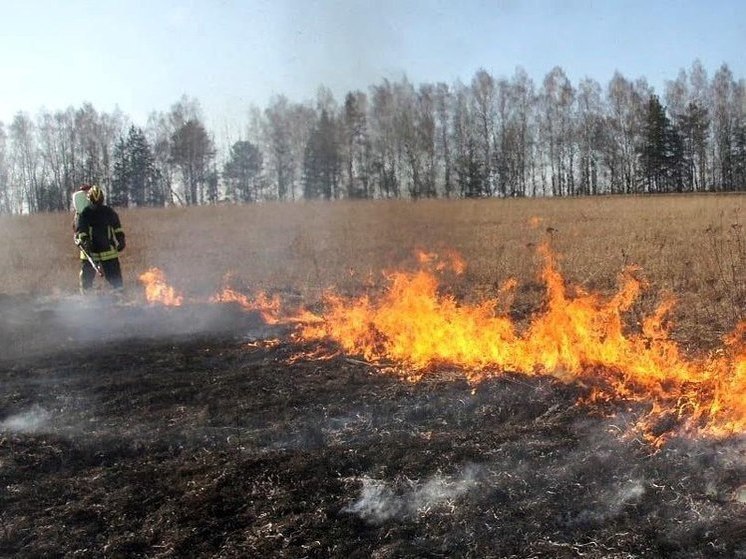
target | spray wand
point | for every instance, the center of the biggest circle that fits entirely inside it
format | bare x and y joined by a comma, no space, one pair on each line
96,266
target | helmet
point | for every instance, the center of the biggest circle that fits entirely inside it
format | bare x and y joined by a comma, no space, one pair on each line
95,195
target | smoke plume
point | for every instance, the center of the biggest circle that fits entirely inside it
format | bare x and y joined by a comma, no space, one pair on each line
30,421
380,501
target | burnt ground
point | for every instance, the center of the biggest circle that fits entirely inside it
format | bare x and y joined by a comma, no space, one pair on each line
131,431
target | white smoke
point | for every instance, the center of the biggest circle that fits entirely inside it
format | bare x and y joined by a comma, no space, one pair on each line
53,324
626,494
612,502
380,500
30,421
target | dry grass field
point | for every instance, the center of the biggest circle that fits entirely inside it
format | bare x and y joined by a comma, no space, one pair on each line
207,430
691,246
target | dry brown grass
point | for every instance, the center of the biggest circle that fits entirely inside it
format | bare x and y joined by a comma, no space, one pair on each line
693,246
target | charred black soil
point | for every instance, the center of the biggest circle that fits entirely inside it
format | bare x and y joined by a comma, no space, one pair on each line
180,433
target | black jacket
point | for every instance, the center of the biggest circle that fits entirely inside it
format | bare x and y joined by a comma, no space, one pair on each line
100,225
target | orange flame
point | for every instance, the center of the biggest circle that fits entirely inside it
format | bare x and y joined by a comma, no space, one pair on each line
157,290
269,307
577,337
449,261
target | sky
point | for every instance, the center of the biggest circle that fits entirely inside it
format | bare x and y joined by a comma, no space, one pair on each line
143,55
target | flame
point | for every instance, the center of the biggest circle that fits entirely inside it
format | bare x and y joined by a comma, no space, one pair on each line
579,336
157,290
270,308
450,260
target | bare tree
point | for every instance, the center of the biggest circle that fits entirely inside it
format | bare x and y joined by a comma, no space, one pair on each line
625,108
523,107
443,100
483,97
302,119
726,114
26,165
408,139
356,145
88,145
277,141
5,195
385,146
590,135
425,124
160,131
57,150
558,98
469,163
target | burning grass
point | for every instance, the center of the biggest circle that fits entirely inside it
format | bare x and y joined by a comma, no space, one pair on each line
577,336
608,319
579,365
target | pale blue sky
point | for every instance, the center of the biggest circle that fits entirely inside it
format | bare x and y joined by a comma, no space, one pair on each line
142,55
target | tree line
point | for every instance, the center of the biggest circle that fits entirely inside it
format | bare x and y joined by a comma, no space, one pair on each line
492,137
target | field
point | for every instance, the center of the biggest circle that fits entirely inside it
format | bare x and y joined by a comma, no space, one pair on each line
137,429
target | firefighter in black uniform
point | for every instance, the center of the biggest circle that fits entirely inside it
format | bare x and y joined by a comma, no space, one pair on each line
100,234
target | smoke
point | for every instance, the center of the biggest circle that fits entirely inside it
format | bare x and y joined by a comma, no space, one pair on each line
627,493
30,421
380,501
612,502
48,325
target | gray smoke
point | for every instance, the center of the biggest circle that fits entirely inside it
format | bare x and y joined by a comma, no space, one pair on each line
42,326
31,421
380,500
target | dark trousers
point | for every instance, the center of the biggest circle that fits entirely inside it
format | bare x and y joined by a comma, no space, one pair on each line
112,273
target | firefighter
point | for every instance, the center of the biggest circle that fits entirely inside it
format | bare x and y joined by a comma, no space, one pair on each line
99,233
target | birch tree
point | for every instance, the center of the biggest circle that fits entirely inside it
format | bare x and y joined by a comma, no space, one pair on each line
356,146
590,134
483,97
443,100
26,165
557,98
725,122
384,146
6,205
